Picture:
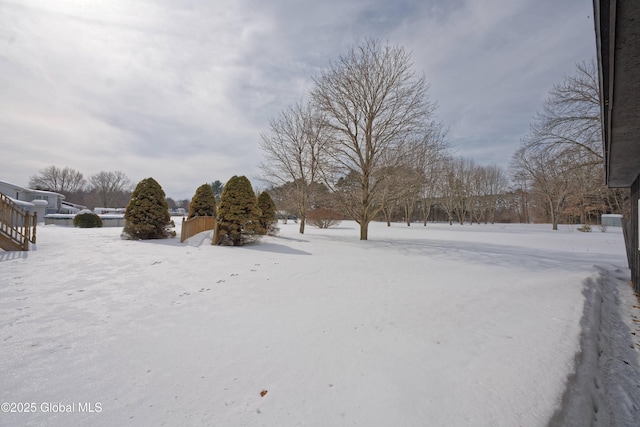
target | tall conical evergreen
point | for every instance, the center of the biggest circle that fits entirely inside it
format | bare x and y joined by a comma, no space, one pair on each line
238,214
147,214
203,202
268,217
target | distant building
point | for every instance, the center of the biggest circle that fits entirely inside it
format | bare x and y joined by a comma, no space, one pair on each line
34,201
71,208
109,211
611,220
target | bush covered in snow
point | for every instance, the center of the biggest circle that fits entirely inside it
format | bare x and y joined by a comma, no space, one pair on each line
324,218
147,214
87,219
203,202
238,214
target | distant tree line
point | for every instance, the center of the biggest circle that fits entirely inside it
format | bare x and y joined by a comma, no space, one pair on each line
107,189
558,171
366,144
104,189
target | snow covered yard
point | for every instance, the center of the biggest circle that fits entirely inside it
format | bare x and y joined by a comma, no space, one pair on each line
419,326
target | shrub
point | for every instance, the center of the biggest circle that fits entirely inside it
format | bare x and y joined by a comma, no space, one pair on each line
238,214
324,218
147,214
585,228
87,219
268,216
203,202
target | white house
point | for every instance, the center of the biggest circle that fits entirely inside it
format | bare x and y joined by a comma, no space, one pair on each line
70,208
34,201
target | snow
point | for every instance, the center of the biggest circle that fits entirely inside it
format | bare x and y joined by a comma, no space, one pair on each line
482,325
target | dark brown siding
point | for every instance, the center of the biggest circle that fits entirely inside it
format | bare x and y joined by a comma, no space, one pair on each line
633,247
631,239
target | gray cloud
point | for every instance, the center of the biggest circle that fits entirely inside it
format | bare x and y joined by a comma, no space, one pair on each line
180,90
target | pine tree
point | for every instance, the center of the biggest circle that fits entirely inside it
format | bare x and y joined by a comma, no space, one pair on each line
147,214
268,218
203,202
238,214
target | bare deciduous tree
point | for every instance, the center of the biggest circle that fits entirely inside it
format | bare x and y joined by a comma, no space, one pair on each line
65,181
374,104
497,183
422,163
570,116
562,157
430,160
463,169
397,189
109,187
447,194
293,149
553,177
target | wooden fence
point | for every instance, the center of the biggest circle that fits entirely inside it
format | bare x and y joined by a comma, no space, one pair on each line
17,226
195,225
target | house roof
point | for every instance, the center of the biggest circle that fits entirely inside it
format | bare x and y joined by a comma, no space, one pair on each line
29,190
617,27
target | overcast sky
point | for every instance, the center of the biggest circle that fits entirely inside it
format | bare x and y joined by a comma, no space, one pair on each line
180,90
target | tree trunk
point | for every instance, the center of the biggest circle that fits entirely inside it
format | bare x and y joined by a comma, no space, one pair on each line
387,216
554,217
303,221
364,230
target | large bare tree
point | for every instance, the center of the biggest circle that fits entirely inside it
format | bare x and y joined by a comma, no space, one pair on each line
570,117
293,149
65,181
563,151
109,187
374,105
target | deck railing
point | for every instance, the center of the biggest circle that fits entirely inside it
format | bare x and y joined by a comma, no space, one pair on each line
17,225
195,225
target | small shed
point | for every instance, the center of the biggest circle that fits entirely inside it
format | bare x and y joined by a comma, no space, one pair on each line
611,220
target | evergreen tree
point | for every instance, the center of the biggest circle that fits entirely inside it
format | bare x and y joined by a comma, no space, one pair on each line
147,214
203,202
268,218
238,214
